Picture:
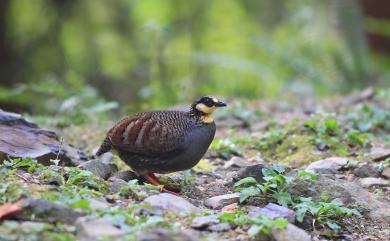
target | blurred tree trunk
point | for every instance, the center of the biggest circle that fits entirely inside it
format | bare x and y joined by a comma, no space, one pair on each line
350,24
7,63
377,10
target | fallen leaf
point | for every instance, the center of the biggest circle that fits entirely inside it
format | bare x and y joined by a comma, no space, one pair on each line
10,209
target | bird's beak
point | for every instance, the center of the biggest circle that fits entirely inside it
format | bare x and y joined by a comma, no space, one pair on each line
220,103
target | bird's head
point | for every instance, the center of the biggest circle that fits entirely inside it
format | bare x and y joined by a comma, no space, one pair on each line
204,106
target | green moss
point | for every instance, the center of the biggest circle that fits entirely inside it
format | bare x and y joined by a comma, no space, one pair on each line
298,150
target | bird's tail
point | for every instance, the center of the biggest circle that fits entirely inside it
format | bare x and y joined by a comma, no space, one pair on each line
104,147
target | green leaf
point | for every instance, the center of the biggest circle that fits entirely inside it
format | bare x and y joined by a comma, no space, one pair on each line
333,226
280,223
55,161
305,175
279,168
283,198
268,173
245,193
331,125
82,203
246,181
227,217
254,230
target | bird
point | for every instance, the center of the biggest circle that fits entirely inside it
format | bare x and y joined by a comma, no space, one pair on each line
163,141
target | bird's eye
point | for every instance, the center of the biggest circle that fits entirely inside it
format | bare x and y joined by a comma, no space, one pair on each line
209,102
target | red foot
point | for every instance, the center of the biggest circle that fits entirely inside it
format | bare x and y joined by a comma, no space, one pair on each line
154,180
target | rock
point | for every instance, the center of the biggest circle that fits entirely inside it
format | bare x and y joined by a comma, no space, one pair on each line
95,203
386,172
274,211
231,208
99,169
93,228
373,181
126,175
30,227
216,188
378,154
204,222
290,233
46,211
107,158
116,184
352,194
20,138
210,223
250,171
173,203
235,162
162,234
221,227
367,170
328,166
220,201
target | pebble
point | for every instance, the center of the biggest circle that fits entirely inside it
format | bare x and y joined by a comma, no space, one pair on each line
373,181
47,211
173,203
235,162
290,233
367,170
328,166
218,202
254,171
274,211
162,234
116,184
99,168
386,172
93,228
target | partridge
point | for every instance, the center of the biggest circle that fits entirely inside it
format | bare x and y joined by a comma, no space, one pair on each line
163,141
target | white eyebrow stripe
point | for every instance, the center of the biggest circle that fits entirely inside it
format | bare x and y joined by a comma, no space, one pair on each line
215,100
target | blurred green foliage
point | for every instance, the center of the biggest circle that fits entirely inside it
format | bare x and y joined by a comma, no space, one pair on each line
153,53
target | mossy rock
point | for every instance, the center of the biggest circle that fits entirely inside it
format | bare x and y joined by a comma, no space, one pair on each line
298,150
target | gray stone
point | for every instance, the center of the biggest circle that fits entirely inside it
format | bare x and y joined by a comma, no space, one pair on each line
29,227
378,154
99,168
290,233
107,158
116,184
204,222
329,165
95,203
274,211
220,227
254,171
125,175
367,170
162,234
352,194
93,228
173,203
46,211
21,138
386,172
220,201
373,181
235,162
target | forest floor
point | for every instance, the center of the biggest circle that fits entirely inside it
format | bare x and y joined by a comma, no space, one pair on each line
277,170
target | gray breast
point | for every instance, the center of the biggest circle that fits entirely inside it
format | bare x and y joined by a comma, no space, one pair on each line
196,144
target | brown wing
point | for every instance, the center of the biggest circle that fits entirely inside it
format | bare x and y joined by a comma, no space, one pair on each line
149,133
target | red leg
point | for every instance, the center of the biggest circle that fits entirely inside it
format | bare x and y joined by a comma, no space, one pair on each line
154,180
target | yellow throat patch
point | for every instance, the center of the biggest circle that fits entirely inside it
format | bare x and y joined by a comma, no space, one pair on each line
207,110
